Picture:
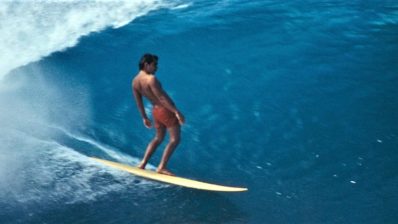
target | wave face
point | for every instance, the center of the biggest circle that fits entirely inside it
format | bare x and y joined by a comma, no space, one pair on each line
40,164
295,100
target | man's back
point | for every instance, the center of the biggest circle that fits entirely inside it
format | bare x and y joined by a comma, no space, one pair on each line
142,84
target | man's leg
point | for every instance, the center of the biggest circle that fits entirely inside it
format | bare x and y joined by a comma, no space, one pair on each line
160,132
173,142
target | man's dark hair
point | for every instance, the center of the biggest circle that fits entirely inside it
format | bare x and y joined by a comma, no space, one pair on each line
147,58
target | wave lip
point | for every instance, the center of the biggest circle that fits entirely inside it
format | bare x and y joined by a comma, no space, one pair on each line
30,30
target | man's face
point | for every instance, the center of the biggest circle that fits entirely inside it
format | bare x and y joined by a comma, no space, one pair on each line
152,67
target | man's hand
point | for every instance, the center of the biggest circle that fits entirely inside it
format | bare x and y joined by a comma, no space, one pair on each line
147,123
180,118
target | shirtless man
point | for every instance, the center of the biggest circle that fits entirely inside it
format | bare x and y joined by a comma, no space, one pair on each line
164,112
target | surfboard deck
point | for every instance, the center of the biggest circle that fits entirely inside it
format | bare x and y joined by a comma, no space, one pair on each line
180,181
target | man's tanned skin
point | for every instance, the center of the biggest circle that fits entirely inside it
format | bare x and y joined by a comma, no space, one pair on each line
146,84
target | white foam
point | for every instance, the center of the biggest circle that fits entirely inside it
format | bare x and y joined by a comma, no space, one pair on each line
59,173
110,151
182,6
31,30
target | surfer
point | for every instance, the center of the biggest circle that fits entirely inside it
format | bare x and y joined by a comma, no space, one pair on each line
165,114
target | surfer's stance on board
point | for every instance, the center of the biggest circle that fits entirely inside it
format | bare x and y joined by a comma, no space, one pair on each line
164,112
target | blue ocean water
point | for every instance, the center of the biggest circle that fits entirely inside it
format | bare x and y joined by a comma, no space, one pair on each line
295,100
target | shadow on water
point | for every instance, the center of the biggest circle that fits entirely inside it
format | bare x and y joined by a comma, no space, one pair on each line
156,205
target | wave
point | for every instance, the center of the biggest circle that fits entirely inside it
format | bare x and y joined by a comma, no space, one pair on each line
48,170
31,30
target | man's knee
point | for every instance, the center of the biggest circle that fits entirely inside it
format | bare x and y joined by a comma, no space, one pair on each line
174,140
158,139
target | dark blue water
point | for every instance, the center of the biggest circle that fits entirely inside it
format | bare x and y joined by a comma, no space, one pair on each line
295,100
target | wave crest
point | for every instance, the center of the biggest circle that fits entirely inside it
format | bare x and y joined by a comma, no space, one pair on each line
31,30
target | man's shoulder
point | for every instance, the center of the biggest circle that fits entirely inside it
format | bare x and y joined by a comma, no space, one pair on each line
139,77
151,79
145,80
135,80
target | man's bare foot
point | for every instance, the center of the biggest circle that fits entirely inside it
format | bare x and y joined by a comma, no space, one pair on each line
141,166
164,171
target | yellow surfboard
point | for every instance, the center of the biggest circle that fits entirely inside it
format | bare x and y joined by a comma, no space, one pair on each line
184,182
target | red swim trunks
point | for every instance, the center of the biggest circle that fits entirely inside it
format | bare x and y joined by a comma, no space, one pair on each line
163,116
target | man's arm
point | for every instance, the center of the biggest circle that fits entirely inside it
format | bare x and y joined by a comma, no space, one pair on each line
161,95
164,99
141,109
